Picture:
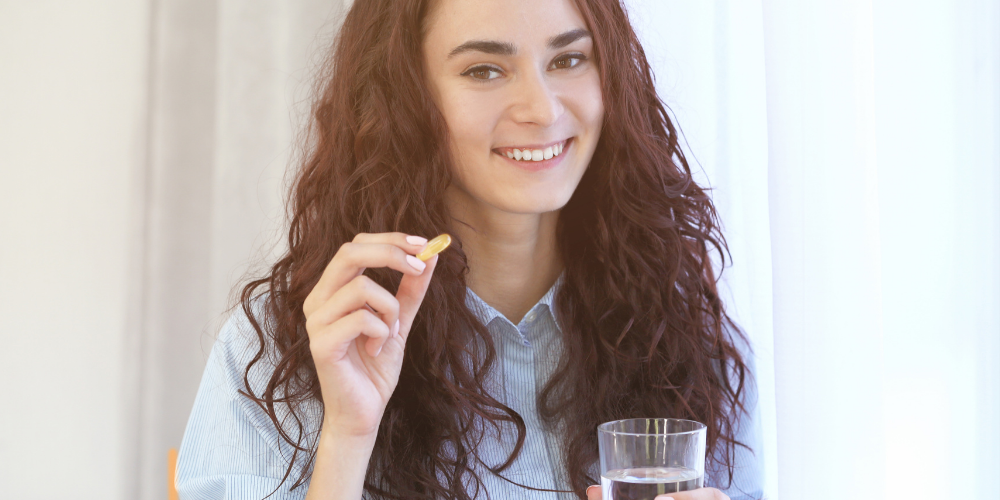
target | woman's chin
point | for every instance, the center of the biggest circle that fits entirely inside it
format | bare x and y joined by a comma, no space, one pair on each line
533,205
522,199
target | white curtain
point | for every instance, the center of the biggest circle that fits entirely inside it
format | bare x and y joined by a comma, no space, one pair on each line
853,148
229,87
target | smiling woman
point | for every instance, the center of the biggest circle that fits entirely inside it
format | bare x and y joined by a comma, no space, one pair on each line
579,289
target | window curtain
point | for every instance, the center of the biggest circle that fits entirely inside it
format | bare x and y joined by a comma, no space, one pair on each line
852,148
852,151
228,94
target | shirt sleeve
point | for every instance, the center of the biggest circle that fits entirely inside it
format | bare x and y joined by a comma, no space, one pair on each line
231,449
748,464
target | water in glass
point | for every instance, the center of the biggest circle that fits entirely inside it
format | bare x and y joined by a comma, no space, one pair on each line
646,483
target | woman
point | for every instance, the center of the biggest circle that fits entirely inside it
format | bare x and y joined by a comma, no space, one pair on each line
579,290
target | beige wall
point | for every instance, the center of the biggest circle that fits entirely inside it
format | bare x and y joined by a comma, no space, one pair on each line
72,131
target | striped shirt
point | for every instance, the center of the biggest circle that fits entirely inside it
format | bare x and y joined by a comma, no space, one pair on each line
232,450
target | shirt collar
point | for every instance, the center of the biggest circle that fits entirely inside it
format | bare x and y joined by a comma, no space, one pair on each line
487,313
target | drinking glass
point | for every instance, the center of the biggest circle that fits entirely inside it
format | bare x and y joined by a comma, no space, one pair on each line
645,457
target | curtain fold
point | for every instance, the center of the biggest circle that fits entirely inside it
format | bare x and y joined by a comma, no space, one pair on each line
229,86
825,242
883,124
709,63
865,251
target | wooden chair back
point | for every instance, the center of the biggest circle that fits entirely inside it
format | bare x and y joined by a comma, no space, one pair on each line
172,474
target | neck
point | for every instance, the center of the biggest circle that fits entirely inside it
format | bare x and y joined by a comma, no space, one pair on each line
513,258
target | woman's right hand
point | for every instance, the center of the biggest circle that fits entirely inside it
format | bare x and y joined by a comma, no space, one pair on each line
358,330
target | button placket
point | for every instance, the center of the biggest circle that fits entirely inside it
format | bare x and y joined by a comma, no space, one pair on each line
524,337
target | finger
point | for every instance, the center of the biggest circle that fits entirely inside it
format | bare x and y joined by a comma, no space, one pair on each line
405,241
332,343
677,496
410,295
684,495
593,492
354,258
360,292
698,494
351,260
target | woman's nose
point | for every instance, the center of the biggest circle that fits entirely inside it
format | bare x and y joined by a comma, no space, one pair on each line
535,101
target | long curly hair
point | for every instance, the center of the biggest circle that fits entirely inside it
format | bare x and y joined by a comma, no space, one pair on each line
644,330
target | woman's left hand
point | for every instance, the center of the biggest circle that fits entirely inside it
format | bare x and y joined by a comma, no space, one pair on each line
594,493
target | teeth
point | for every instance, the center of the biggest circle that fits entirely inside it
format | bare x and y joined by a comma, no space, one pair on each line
536,154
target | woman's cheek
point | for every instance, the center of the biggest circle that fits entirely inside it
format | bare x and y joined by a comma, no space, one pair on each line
591,103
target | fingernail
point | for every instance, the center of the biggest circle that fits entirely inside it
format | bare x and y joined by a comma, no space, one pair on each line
379,351
416,240
395,328
416,263
590,488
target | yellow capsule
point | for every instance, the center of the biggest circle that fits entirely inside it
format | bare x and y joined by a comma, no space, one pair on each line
435,246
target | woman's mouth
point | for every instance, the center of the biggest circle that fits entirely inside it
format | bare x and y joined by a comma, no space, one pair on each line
534,152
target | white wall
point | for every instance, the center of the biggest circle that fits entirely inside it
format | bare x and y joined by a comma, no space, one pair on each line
72,131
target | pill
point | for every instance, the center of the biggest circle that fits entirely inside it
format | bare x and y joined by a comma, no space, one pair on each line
435,246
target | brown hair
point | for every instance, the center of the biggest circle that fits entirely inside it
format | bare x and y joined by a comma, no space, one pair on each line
644,329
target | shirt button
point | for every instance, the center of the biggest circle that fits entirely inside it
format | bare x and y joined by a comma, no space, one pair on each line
531,317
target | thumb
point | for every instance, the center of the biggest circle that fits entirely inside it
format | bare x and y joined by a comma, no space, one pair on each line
411,294
594,492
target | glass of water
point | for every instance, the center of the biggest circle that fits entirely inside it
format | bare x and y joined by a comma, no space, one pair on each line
645,457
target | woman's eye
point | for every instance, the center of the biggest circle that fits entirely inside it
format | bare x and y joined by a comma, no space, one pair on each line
569,61
482,73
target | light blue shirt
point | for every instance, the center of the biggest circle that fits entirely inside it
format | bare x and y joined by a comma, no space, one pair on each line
231,449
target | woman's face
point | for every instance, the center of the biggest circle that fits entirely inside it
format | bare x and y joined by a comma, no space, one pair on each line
515,78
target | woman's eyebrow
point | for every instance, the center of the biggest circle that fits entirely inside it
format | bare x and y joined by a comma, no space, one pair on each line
508,49
487,46
560,41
